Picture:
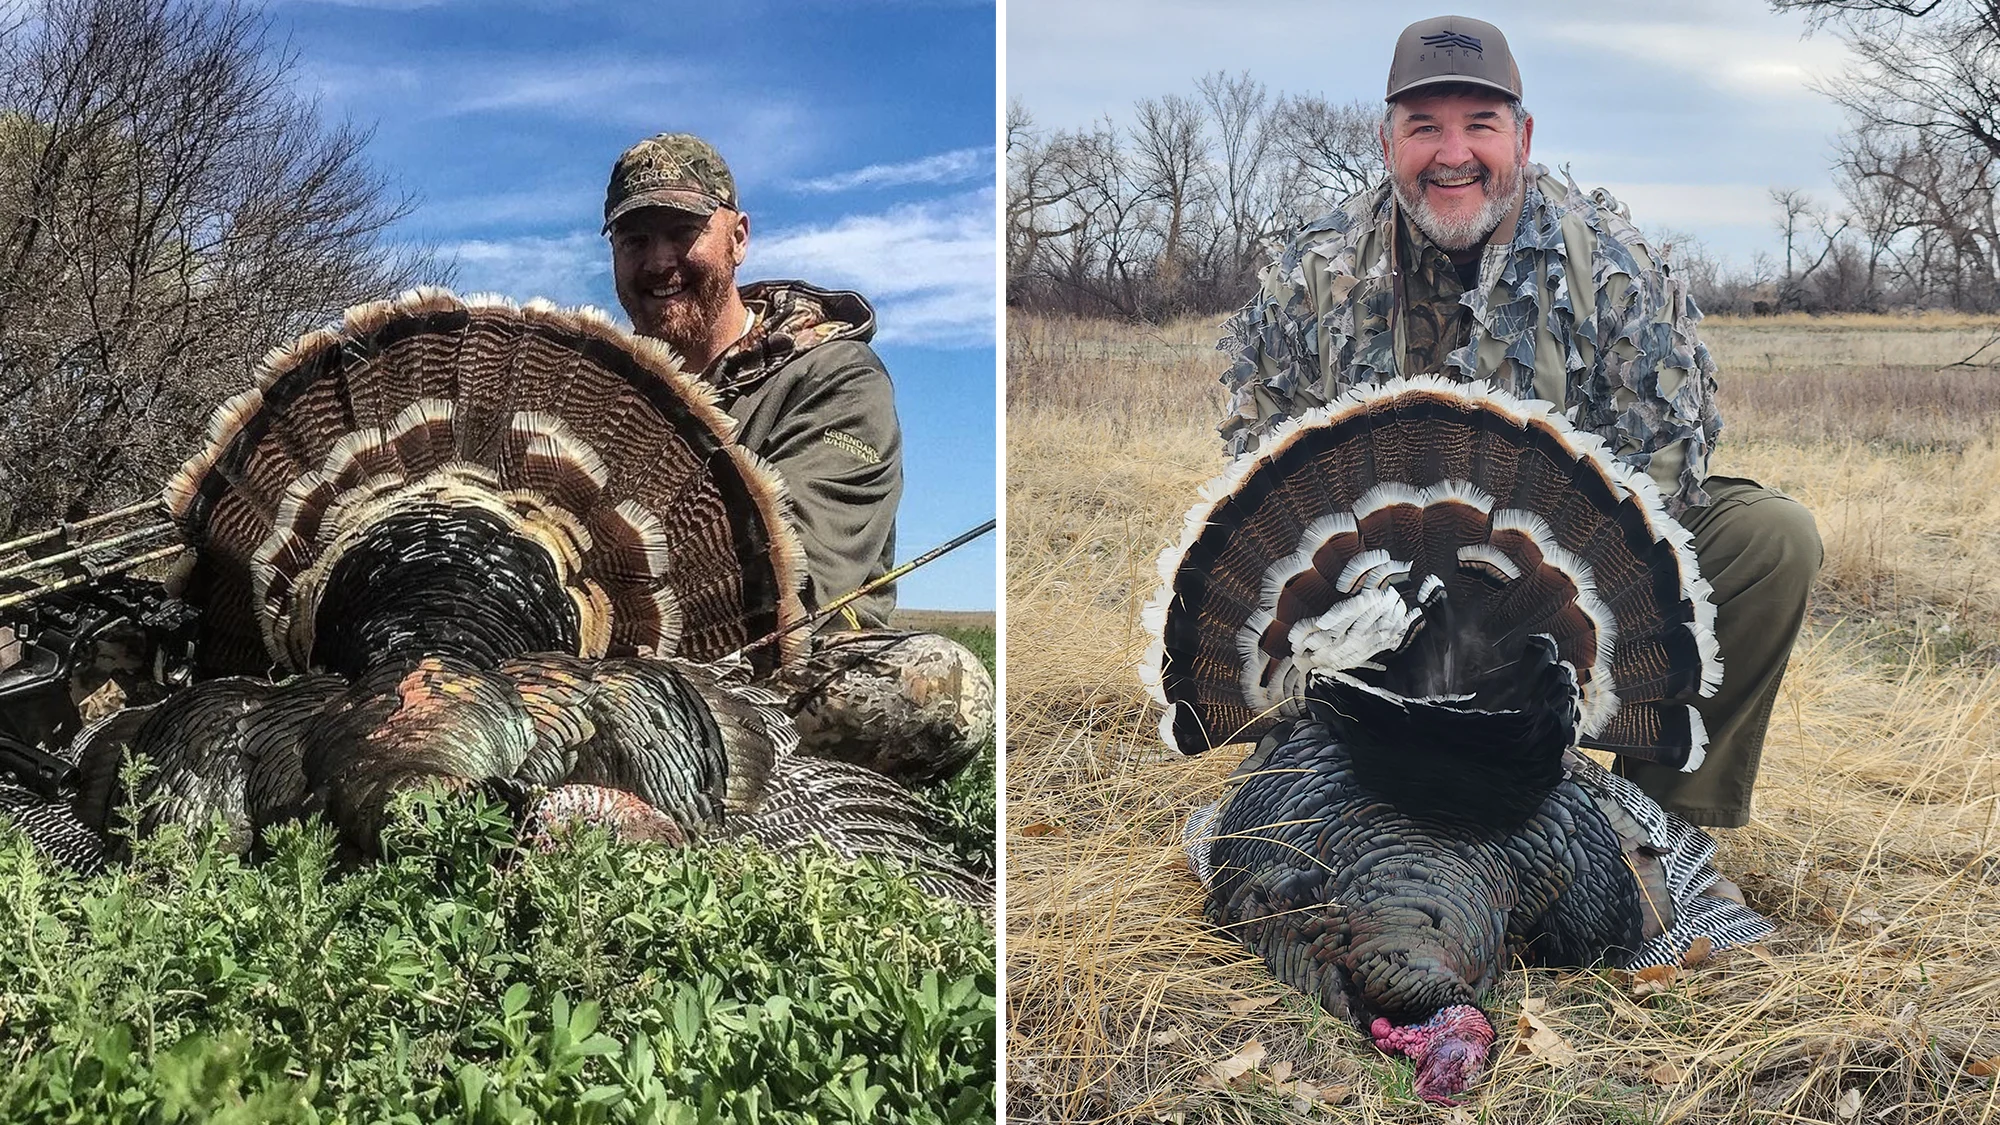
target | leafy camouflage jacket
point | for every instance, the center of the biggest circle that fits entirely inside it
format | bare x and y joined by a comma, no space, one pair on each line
812,398
1618,354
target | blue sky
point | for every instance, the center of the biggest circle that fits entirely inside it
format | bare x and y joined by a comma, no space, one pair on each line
860,135
1688,110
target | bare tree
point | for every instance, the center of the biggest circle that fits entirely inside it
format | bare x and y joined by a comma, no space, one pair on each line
1796,213
1170,214
169,210
1241,177
1334,149
1169,148
1920,161
1039,185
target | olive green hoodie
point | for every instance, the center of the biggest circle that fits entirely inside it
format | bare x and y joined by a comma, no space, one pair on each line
812,398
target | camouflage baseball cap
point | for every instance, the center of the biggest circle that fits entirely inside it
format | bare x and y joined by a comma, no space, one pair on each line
1453,49
677,170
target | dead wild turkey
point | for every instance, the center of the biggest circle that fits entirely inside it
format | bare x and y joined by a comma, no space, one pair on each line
467,544
1419,599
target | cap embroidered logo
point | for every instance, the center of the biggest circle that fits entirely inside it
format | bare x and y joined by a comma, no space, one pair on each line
1449,39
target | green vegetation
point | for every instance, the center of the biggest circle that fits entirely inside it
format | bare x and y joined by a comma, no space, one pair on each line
466,979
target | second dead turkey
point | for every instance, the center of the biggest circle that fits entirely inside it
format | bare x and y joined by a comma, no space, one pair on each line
1419,602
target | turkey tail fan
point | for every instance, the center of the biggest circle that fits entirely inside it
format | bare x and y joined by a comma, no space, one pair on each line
473,453
1414,537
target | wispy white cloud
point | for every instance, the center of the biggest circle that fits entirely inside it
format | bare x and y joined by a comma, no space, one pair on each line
600,86
1755,58
574,203
568,269
341,83
954,167
384,5
764,140
928,268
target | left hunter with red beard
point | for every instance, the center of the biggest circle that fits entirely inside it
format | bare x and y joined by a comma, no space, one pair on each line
791,363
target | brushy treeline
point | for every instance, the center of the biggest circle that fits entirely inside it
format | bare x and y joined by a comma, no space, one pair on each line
171,208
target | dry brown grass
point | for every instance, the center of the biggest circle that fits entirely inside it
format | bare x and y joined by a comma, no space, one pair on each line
1875,845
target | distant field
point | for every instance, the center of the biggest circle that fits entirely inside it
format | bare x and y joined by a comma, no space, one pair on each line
1876,838
1745,344
932,620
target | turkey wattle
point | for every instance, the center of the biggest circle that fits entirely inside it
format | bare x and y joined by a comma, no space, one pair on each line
457,543
1421,599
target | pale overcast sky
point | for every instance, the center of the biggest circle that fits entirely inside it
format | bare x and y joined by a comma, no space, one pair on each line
1690,111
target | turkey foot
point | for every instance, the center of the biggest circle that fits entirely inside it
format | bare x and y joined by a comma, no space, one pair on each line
1449,1049
567,807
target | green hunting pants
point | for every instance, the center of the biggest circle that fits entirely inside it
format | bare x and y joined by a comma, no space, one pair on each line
1760,550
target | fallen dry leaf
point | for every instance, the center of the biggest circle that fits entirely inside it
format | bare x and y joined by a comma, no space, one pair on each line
1535,1004
1699,950
1984,1068
1764,955
1533,1037
1335,1094
1459,1116
1665,1074
1306,1096
1726,1054
1281,1072
1655,978
1869,918
1170,1035
1251,1004
1034,831
1245,1060
1848,1105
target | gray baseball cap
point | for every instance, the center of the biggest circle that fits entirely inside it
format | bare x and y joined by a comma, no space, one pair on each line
1452,49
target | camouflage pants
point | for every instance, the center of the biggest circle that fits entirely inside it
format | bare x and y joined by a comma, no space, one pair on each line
1760,550
913,706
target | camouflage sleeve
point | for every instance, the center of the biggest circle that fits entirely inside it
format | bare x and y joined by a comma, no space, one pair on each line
840,449
1276,369
1653,388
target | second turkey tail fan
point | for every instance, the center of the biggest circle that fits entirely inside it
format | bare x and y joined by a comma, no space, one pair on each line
1490,559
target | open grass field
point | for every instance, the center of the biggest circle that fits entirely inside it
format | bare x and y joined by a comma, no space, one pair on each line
1875,843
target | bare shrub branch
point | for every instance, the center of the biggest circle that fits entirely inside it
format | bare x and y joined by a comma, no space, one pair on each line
170,209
